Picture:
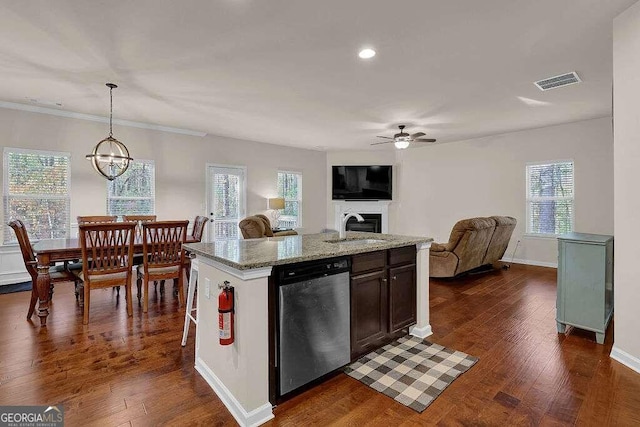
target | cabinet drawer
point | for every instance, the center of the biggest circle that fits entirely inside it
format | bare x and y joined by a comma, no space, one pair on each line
402,256
370,261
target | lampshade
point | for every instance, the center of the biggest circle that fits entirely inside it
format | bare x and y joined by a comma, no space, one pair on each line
276,203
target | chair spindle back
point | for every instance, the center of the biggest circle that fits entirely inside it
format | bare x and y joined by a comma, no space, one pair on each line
198,227
107,248
162,243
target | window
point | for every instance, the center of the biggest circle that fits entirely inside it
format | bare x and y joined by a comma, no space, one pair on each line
227,200
550,198
133,192
36,191
290,188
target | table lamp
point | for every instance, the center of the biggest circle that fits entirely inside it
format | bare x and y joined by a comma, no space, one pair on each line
276,204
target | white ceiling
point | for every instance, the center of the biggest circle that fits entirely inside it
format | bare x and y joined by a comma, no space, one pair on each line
287,72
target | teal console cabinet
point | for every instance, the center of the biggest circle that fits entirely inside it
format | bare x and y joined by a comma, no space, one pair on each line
585,282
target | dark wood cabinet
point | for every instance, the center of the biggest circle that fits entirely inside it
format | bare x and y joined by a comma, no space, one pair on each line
383,297
402,297
369,312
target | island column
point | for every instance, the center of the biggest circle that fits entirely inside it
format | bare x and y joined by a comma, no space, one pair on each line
422,328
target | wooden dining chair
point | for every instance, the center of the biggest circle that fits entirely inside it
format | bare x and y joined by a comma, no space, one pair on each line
57,273
198,228
196,236
96,219
139,220
163,256
107,253
143,218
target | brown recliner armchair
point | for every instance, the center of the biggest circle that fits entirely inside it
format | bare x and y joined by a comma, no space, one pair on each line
474,242
500,239
258,226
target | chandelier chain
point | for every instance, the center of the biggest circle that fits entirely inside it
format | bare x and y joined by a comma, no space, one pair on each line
111,112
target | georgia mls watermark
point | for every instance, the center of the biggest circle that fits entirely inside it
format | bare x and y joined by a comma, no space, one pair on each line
32,416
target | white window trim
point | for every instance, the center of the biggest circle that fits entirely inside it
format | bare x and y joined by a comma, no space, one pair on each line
5,190
530,233
152,198
299,200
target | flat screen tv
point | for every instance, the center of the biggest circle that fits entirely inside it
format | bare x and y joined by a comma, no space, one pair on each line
361,183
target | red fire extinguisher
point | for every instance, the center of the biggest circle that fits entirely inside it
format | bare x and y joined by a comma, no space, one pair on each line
226,313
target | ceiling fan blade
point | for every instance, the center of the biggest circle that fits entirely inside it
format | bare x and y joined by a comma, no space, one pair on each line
424,140
417,135
385,142
384,137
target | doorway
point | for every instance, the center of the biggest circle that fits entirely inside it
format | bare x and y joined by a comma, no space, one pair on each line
226,200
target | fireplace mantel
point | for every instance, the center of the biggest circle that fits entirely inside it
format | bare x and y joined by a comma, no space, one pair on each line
341,208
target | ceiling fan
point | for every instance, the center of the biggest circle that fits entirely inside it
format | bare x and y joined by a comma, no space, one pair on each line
403,140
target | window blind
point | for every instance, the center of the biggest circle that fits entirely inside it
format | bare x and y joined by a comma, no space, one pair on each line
133,192
36,191
550,198
290,189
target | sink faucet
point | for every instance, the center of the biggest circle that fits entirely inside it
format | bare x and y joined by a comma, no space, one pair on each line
343,228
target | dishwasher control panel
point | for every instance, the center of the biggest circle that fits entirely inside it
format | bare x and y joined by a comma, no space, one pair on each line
319,268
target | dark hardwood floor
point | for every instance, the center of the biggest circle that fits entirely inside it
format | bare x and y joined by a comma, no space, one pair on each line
132,371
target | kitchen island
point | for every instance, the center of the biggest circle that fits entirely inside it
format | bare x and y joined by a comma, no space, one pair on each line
241,373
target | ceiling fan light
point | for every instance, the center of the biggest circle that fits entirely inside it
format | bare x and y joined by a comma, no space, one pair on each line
401,143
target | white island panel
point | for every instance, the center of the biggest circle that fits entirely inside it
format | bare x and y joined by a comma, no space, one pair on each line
238,373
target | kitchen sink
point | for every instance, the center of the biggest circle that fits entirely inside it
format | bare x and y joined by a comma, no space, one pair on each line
356,241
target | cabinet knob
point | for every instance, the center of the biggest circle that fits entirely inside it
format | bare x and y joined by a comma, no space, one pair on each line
384,280
394,278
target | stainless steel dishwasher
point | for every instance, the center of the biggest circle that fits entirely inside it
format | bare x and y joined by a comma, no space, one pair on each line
314,321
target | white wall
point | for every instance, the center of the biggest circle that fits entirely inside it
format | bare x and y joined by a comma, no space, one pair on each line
180,167
626,67
439,184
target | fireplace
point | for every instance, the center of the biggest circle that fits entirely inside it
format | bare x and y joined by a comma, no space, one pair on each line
372,223
376,212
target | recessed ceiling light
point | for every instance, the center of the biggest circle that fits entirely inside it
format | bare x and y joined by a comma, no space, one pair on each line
367,53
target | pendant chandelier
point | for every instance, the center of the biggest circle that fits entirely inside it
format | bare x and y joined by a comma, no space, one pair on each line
110,157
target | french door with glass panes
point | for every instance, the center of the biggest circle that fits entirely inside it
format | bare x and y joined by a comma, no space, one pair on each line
226,200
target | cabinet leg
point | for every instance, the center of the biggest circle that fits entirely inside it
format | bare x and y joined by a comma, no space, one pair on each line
561,327
599,338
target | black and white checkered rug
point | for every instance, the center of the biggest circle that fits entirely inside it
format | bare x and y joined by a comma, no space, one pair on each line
410,370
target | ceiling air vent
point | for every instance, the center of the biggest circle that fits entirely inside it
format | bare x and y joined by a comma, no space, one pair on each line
558,81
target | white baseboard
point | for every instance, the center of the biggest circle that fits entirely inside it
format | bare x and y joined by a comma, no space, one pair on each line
423,332
530,262
258,416
12,268
13,277
625,358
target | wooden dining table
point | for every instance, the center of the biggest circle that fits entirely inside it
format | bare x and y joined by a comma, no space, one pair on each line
60,250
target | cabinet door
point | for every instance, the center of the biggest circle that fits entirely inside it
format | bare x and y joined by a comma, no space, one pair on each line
369,312
582,301
402,297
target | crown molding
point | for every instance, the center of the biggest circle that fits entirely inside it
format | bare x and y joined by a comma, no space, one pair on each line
100,119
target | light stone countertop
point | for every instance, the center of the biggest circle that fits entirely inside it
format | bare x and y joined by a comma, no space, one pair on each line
269,251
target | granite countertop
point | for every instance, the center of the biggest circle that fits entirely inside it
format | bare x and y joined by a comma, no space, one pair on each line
257,253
